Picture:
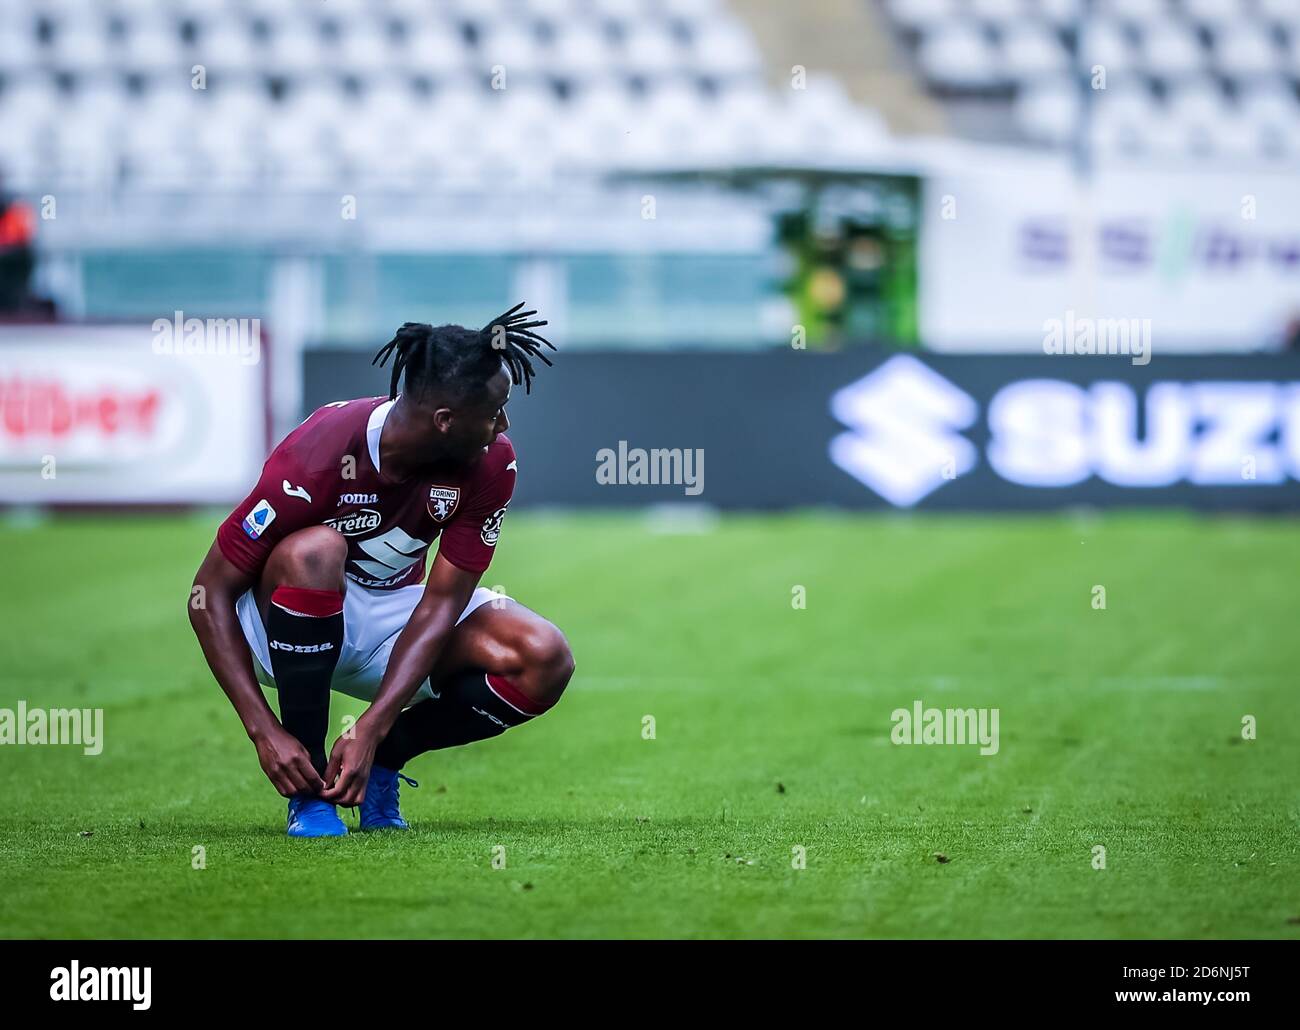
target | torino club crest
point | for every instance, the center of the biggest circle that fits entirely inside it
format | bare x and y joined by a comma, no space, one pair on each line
442,502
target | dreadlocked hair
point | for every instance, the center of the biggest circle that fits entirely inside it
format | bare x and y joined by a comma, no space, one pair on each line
460,360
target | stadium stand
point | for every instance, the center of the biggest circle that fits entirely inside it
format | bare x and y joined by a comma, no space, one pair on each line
1196,77
196,146
295,94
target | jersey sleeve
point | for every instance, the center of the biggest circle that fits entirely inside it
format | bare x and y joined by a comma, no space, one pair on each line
470,539
285,499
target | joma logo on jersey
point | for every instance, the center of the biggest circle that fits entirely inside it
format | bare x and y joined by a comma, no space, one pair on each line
442,502
357,499
358,522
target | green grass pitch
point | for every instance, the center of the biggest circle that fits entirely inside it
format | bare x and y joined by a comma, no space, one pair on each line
1119,727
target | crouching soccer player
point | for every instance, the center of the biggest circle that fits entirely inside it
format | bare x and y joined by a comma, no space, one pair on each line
314,581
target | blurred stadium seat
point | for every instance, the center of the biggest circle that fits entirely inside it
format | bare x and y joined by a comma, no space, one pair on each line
271,62
1203,64
287,66
505,124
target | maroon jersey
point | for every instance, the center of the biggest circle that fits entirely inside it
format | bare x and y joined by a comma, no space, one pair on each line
326,473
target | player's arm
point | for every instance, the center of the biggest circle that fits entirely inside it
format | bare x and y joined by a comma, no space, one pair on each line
284,760
280,503
465,551
416,651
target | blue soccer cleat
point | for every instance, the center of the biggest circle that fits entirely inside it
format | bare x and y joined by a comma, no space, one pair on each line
379,809
312,817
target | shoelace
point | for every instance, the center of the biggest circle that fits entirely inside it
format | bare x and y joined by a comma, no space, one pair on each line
388,799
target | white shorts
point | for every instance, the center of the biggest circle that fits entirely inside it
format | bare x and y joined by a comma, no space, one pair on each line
372,619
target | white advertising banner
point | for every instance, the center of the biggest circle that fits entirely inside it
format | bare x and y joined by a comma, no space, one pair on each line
172,413
1207,260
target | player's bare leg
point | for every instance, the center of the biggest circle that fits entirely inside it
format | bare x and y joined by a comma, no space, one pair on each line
505,639
310,559
503,666
300,597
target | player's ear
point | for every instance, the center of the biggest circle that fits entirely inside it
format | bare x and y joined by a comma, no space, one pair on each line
443,418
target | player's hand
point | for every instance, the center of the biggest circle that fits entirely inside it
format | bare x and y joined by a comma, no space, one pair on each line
287,764
349,768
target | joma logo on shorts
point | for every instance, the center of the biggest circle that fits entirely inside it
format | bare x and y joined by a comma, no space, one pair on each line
359,522
277,645
488,715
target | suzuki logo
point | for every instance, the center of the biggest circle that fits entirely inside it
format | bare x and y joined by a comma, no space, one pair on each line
905,421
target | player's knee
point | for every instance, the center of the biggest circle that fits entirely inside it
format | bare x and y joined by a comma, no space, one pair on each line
313,558
546,661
